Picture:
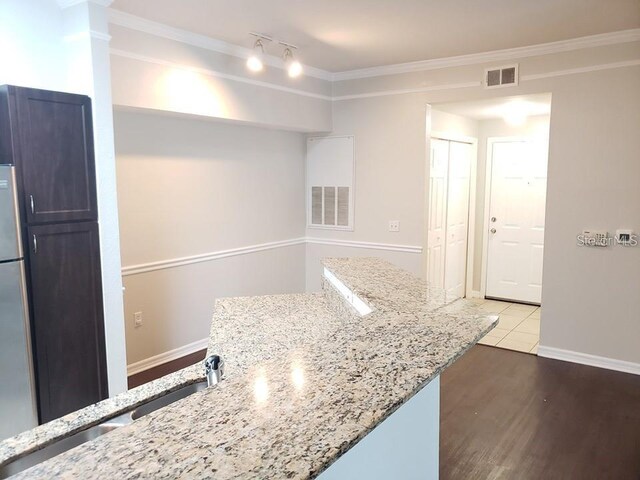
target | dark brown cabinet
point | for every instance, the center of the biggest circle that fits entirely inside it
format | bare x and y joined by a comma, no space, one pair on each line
54,135
67,316
48,136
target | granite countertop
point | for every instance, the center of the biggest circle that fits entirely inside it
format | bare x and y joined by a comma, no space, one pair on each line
306,379
43,435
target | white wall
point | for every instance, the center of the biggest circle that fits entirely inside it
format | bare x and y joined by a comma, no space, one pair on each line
390,189
592,166
590,296
389,156
33,53
452,124
191,187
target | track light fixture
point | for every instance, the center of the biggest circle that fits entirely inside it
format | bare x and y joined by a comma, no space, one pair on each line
255,61
294,67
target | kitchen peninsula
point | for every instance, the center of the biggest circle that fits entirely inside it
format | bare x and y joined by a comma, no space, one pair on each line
312,383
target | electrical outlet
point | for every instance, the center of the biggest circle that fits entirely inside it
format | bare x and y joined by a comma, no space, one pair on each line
394,225
137,319
626,238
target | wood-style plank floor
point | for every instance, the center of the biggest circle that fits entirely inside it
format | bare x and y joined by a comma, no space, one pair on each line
509,415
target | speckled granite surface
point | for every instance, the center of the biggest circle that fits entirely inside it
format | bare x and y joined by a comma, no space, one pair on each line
43,435
246,331
303,384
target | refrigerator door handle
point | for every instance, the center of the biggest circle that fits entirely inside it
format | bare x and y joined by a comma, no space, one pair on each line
33,204
35,243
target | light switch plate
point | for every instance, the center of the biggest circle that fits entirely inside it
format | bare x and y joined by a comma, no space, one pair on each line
595,238
394,225
137,319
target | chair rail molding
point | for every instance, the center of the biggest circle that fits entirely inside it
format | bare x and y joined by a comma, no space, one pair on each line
216,255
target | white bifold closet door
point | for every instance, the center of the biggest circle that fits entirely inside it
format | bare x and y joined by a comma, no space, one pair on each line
516,220
448,227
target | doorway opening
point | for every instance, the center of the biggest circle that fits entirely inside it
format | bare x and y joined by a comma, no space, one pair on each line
487,196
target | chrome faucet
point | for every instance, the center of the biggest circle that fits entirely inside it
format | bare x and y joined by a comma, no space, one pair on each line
214,369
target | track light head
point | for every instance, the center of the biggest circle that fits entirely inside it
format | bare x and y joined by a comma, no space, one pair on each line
294,67
254,62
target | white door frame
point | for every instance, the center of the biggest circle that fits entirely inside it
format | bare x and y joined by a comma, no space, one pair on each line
472,201
487,205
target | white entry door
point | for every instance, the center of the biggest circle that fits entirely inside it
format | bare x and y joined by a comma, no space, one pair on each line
448,215
516,220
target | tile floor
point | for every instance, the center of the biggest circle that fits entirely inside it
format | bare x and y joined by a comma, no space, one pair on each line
518,328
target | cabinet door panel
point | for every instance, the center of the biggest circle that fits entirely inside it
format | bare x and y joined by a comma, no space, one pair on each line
57,159
67,317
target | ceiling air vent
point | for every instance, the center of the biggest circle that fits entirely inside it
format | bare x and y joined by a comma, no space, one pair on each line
497,77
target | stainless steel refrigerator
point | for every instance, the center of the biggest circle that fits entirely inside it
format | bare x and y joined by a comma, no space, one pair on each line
18,411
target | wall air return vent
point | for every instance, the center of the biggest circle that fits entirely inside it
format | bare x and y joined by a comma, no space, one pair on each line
330,179
497,77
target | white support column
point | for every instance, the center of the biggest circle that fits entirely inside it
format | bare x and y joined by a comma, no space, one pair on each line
87,44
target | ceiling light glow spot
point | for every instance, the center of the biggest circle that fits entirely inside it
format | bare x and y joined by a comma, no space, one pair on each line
254,62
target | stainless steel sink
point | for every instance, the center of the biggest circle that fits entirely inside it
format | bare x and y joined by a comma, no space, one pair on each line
63,445
92,433
167,399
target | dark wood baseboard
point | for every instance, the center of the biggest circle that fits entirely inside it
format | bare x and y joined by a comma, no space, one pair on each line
166,368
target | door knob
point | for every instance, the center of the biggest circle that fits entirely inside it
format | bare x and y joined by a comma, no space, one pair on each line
493,230
493,219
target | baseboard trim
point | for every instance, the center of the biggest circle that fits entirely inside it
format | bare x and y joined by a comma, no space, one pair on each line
165,357
475,294
587,359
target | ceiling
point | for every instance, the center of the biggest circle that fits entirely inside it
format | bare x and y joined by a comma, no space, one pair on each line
339,35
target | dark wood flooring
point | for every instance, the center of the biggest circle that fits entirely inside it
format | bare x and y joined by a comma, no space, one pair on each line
510,415
166,368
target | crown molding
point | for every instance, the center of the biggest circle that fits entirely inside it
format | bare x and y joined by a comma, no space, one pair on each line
575,71
404,91
70,3
612,38
90,34
524,78
133,22
216,73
